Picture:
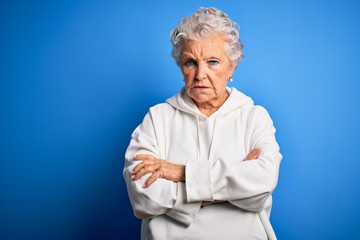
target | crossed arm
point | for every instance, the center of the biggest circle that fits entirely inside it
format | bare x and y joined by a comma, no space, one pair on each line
159,168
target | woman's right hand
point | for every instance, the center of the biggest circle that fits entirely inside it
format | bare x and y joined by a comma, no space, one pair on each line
158,168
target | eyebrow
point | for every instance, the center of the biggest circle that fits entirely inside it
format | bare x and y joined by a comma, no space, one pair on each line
186,55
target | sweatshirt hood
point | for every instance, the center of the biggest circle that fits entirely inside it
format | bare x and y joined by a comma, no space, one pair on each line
184,102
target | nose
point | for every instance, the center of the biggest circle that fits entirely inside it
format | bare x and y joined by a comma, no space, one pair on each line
200,71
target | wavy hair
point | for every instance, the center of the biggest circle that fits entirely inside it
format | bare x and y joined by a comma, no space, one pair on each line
207,22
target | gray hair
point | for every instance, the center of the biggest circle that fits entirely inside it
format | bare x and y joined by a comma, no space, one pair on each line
206,22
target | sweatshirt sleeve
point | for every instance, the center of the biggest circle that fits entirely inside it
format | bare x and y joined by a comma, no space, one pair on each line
246,184
163,196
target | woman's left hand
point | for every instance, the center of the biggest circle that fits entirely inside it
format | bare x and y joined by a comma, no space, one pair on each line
253,155
158,168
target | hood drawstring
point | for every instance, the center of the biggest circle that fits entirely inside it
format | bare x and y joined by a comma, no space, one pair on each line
214,138
198,138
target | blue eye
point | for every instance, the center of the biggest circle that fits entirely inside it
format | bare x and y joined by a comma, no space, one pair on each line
213,62
189,63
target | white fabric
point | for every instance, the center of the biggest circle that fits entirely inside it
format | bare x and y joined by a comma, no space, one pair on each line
213,150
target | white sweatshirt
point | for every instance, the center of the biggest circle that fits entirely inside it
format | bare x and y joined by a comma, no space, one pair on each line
213,150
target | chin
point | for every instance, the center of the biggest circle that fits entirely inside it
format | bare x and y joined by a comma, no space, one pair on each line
200,100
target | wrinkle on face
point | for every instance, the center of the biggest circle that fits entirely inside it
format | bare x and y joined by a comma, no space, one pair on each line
206,69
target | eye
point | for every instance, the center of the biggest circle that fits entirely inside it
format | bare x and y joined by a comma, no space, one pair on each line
213,62
189,63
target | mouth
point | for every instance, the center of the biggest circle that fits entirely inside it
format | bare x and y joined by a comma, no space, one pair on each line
200,87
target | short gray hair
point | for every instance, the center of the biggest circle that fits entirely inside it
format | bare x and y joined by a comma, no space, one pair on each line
206,22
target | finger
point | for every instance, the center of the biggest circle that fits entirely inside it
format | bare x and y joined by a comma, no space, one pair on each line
140,157
137,168
148,164
139,174
254,154
145,170
152,179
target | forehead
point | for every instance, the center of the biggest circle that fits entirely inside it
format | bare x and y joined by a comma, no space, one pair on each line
214,45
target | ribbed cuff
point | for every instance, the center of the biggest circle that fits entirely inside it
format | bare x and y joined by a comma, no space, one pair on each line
198,182
182,211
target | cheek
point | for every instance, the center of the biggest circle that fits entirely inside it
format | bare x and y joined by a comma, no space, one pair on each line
220,87
220,83
188,75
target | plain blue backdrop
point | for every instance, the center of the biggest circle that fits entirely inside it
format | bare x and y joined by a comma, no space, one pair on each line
78,76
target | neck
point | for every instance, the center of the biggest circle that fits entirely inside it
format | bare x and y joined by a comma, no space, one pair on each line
210,107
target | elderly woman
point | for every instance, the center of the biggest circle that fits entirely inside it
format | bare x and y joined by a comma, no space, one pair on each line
203,165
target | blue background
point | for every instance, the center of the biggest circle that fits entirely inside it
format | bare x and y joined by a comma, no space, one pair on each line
78,76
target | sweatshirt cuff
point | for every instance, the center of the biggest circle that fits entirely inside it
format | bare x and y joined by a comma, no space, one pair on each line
198,181
255,203
182,211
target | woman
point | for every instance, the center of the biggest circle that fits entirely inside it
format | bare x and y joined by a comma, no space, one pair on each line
204,164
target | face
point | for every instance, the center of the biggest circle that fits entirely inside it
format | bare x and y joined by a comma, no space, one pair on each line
206,69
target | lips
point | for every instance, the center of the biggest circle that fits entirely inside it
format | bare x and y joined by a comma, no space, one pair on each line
200,87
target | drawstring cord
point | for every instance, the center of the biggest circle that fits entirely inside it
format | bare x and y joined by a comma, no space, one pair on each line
213,140
198,139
